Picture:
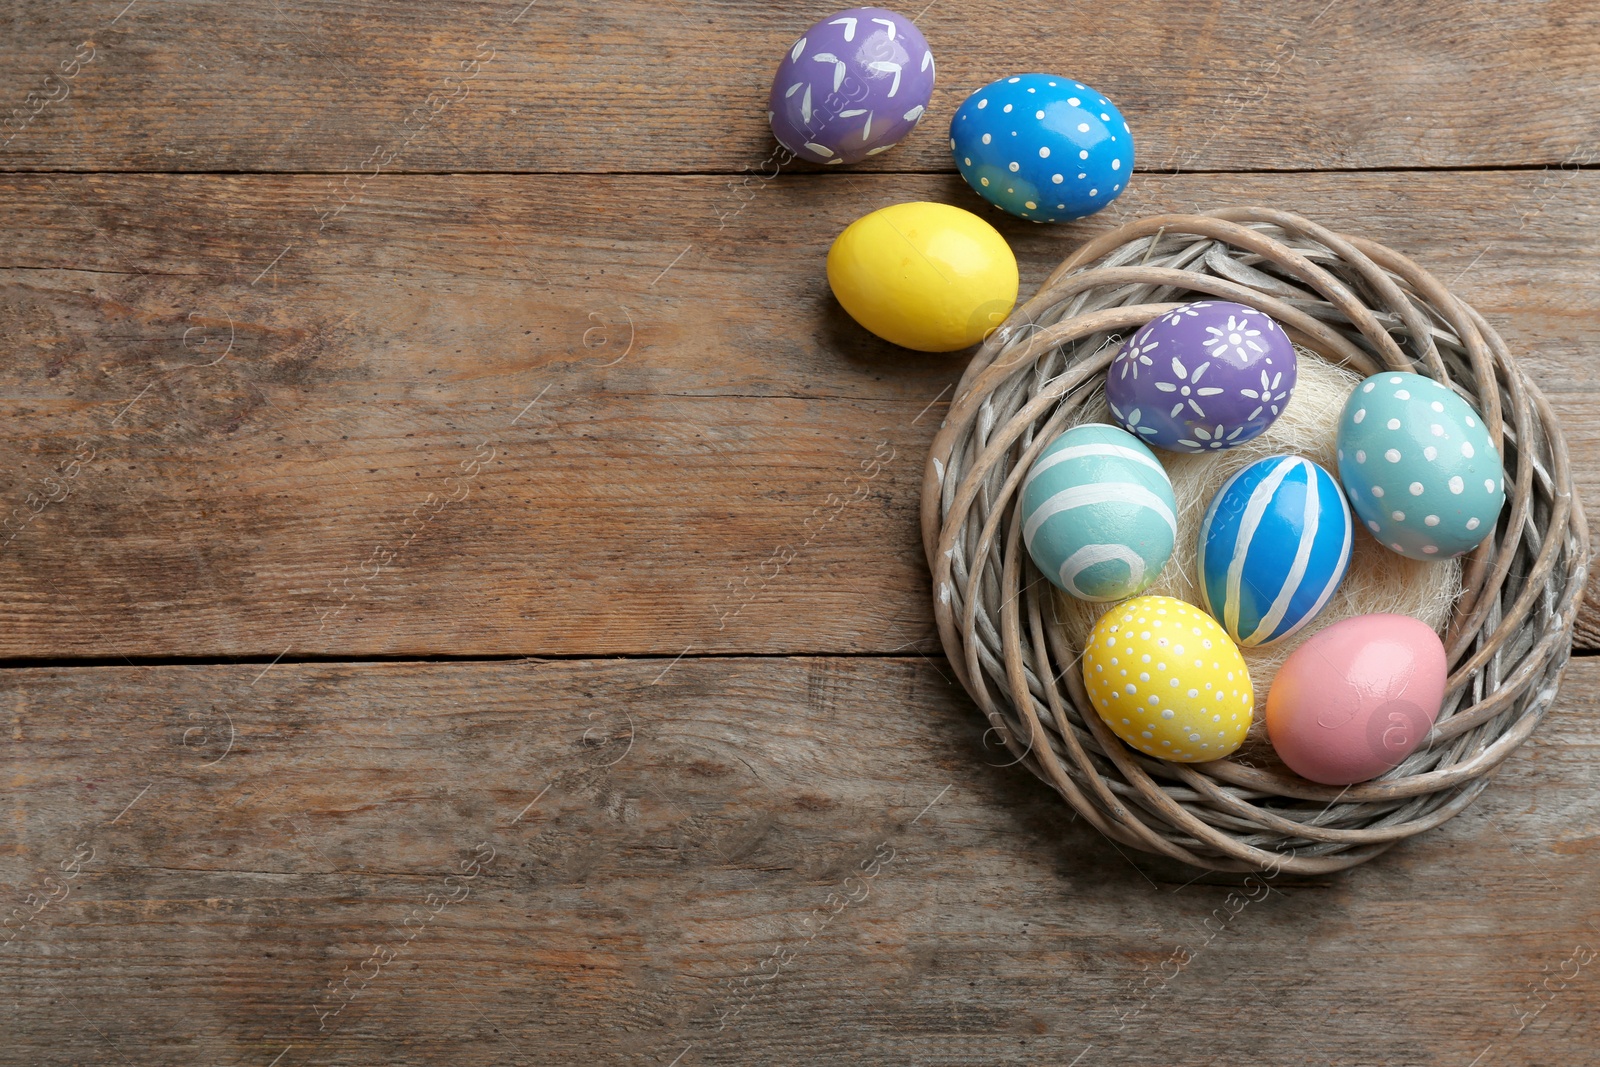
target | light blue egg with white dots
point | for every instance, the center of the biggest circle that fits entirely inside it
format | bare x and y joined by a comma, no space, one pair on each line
1098,513
1042,146
1274,546
1419,467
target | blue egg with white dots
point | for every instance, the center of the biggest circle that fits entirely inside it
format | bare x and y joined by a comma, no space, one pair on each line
1420,468
1273,547
1043,147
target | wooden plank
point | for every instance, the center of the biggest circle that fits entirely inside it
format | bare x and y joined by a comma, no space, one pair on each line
506,415
637,861
441,85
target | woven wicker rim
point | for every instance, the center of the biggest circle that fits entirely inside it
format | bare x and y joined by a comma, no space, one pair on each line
1351,301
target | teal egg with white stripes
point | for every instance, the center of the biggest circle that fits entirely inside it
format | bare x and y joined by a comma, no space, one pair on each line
1273,547
1098,514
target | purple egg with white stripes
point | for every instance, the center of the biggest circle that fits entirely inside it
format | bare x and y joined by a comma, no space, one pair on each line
1204,376
852,86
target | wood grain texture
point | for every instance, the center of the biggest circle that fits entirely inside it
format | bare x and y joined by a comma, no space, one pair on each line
540,363
511,415
561,86
716,855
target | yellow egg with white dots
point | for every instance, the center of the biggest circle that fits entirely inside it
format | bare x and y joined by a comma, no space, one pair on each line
1168,680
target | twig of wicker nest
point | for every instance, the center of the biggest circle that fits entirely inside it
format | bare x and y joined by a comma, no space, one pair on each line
1348,300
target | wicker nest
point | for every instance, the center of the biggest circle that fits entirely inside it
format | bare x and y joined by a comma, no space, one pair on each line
1348,300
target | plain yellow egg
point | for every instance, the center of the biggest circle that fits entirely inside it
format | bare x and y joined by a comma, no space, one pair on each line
926,276
1168,680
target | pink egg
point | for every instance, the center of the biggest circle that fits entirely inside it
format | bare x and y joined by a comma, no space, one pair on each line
1357,698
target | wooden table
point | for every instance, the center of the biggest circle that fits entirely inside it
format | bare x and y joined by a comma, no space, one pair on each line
460,584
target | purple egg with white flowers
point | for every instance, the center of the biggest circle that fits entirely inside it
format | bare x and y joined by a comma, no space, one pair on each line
1204,376
853,86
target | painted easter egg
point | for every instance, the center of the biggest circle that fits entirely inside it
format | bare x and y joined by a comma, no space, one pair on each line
1166,679
1098,514
1204,376
1417,462
852,86
925,276
1273,547
1042,146
1357,698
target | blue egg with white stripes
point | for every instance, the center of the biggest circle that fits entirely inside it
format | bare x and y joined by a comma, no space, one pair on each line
1274,546
1098,514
